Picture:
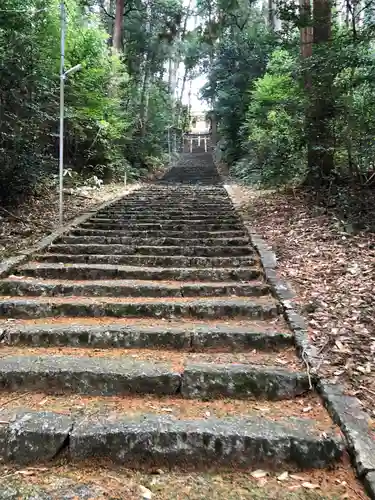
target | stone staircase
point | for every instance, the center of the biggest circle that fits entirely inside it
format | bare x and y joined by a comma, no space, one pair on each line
157,311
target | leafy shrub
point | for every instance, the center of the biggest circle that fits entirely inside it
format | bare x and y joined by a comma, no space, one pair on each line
275,125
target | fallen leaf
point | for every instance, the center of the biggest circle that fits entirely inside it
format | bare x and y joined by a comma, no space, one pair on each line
284,476
296,477
310,486
145,492
259,473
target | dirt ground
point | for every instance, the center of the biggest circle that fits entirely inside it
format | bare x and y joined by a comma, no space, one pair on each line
99,481
38,216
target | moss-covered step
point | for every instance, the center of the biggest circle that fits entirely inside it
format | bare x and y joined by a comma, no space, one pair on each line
117,288
108,271
154,241
208,308
96,376
187,335
246,442
209,380
163,225
160,233
150,260
164,250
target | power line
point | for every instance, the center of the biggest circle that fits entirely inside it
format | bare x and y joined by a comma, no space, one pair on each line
23,11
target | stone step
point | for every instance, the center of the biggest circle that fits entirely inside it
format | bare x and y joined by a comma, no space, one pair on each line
185,251
122,375
138,288
158,440
209,380
162,219
195,336
155,226
210,308
154,241
149,260
160,234
87,375
108,271
245,442
154,216
159,206
173,213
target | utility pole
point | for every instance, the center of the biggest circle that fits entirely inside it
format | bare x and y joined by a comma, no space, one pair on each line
63,75
62,78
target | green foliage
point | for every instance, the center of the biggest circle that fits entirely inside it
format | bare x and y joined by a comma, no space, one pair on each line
240,60
275,123
117,107
286,118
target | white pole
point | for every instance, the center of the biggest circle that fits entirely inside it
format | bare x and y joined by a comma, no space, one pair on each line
191,145
169,147
205,144
62,78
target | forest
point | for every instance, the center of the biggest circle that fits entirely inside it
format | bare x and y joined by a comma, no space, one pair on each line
290,86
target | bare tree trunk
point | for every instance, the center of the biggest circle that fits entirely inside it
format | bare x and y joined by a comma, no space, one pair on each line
119,21
321,109
179,103
145,95
144,101
306,32
271,16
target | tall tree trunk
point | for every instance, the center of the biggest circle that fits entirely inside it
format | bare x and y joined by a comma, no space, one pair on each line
147,76
271,15
306,31
179,104
144,101
119,21
321,110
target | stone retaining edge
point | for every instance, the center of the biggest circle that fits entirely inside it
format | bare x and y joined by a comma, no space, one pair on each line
345,411
7,265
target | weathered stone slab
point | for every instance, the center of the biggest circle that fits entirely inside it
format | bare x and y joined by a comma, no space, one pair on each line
107,271
244,442
102,288
196,308
239,338
185,233
165,219
35,436
346,411
153,241
15,489
110,336
147,250
127,288
138,226
86,375
369,483
208,380
149,260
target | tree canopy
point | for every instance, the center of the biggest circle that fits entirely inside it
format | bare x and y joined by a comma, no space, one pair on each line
289,85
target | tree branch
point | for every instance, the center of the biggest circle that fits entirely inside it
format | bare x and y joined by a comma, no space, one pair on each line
101,3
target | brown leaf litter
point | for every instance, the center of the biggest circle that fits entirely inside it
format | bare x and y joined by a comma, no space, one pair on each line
21,227
330,264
